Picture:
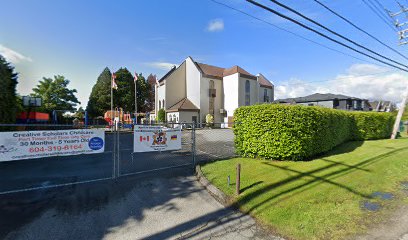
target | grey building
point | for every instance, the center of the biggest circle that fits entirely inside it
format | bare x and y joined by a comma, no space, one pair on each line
335,101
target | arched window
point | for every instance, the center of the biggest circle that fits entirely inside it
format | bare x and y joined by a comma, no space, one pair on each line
159,105
211,84
266,98
247,93
211,98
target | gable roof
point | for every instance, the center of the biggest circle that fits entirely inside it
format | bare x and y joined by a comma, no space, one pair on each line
219,72
264,82
183,105
317,97
236,69
210,71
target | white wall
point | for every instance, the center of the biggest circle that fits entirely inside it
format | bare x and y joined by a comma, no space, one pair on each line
193,76
160,96
328,104
173,117
231,89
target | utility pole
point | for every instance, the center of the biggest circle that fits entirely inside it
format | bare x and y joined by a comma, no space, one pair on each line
399,116
402,36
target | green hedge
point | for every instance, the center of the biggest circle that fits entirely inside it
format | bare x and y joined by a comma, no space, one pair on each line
372,125
299,132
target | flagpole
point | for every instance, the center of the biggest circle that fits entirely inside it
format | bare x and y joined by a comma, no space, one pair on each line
111,88
135,99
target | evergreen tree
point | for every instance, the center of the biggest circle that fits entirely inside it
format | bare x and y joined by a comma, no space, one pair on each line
143,93
151,80
123,97
8,97
100,100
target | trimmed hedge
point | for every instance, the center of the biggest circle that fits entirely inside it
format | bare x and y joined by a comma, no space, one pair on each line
297,132
372,125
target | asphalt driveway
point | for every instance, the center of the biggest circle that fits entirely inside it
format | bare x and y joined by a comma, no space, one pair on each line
164,205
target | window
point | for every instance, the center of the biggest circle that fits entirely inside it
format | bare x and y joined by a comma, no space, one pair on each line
336,103
247,93
266,97
211,84
211,99
159,105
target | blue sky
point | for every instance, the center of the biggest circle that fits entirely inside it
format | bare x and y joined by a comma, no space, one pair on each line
78,39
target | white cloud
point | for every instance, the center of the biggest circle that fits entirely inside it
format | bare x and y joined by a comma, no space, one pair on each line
161,65
360,80
215,25
13,56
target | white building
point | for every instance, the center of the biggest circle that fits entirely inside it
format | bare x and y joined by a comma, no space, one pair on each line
191,91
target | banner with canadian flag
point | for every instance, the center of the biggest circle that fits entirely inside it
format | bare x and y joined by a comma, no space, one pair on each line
156,138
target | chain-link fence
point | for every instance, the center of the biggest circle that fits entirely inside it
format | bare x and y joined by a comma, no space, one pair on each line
131,162
214,142
39,156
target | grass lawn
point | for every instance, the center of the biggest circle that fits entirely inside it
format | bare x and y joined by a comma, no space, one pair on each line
323,198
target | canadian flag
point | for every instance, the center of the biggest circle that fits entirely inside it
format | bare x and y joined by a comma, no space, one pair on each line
114,85
144,138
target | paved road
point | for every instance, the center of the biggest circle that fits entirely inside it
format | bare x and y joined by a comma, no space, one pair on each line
149,207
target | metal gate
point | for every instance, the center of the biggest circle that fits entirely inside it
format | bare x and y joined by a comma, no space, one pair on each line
117,159
129,162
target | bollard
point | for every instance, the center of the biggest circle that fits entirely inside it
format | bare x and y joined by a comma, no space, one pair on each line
238,179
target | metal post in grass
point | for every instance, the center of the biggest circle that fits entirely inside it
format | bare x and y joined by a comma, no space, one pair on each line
238,179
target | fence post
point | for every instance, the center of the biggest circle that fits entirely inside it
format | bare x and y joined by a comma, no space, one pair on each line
193,147
238,179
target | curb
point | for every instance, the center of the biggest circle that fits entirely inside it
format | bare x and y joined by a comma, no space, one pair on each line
214,191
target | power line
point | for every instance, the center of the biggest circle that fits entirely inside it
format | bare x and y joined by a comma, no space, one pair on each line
323,35
335,33
374,10
295,34
360,29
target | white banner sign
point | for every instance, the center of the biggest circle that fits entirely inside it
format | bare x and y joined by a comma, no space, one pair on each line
39,144
156,138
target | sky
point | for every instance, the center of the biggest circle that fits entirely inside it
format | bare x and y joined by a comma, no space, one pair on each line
78,39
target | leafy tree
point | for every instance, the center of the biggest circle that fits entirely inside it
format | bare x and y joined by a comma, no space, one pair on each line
55,94
100,98
79,113
8,97
161,115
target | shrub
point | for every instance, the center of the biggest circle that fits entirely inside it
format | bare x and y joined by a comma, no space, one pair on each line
209,120
372,125
161,115
297,132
